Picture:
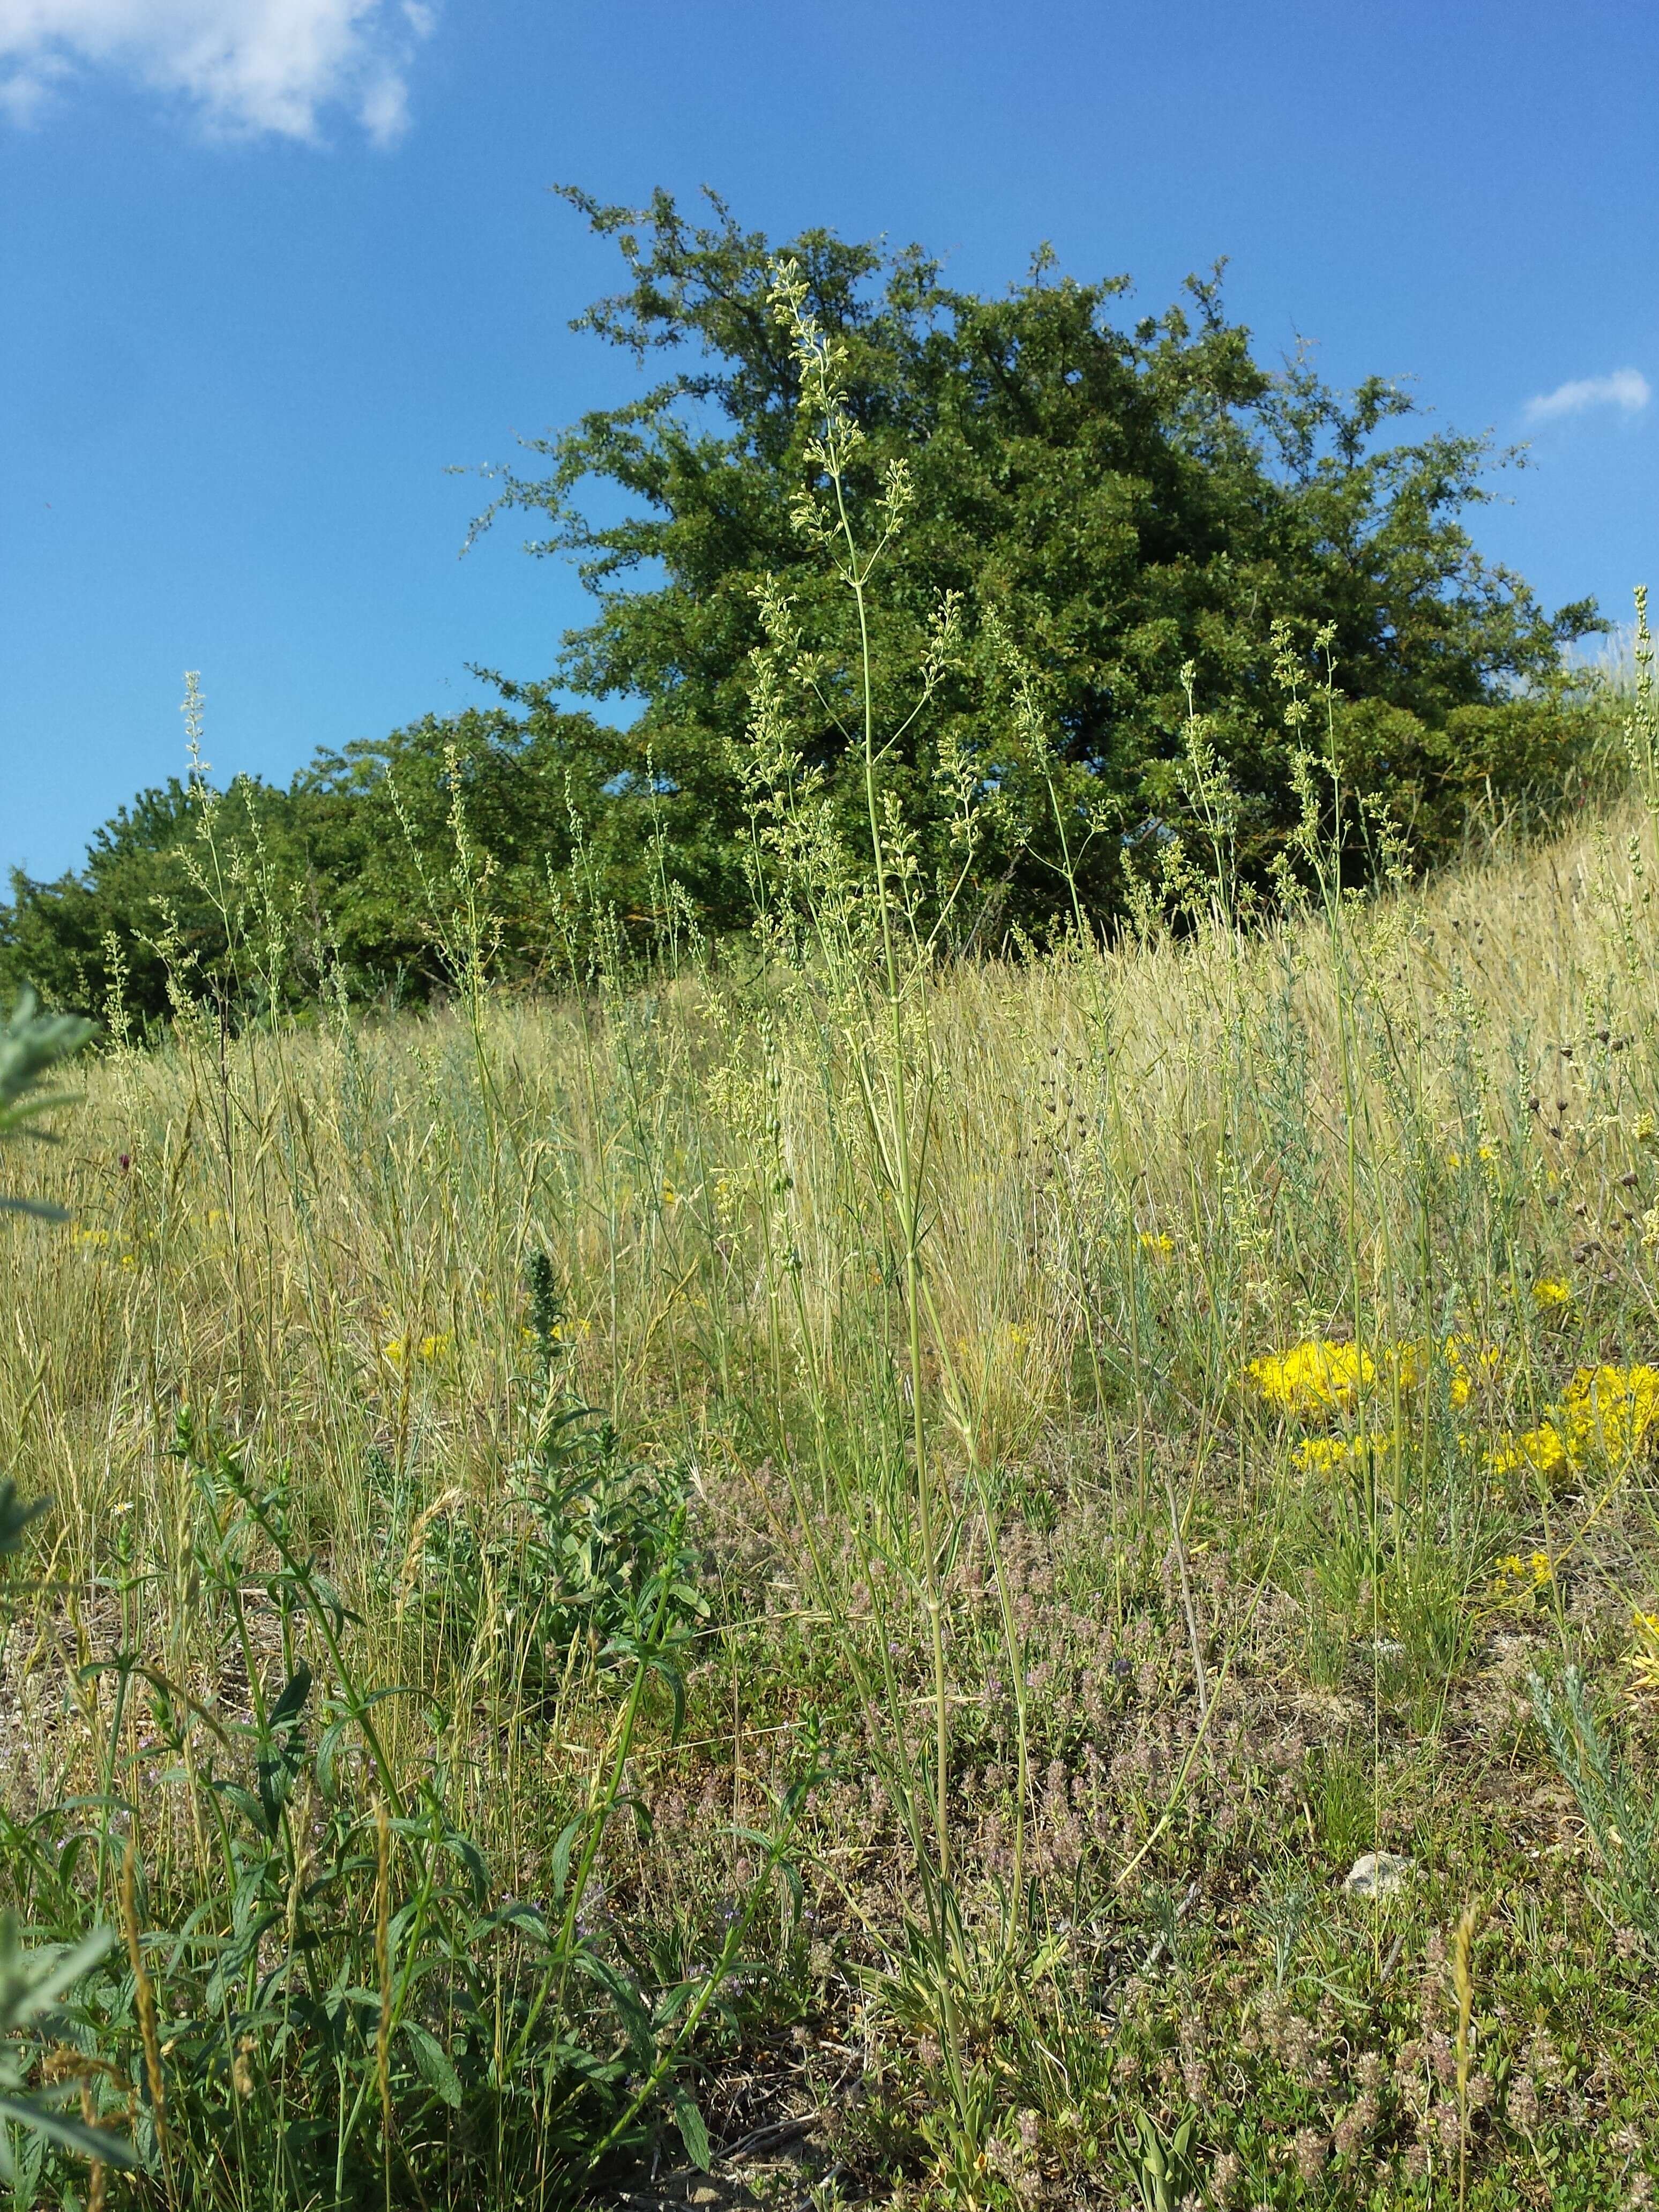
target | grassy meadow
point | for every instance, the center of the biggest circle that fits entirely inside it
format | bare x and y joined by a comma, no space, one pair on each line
749,1587
821,1571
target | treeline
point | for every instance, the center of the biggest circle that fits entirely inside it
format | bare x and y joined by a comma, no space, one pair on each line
345,878
1129,518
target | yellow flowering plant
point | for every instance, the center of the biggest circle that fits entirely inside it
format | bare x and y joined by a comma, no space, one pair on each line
1517,1581
1335,1456
1644,1661
1321,1376
1316,1378
1605,1414
426,1350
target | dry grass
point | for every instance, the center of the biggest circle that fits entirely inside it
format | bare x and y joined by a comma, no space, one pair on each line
1145,1169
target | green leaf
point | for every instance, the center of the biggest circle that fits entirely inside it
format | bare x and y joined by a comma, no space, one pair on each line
689,2121
32,1981
433,2063
75,2134
15,1515
288,1707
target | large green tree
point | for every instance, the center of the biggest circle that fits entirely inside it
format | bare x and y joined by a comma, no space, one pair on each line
1125,501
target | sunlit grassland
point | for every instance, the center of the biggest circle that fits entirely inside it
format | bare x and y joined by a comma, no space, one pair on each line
1085,1777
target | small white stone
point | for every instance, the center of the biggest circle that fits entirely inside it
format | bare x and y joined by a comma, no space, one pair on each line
1376,1873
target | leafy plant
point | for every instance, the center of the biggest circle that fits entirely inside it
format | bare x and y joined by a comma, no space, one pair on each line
31,1044
576,1554
1163,2164
32,1982
1130,501
1623,1819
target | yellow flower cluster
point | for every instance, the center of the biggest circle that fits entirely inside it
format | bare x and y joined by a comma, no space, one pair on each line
1644,1660
1321,1376
1551,1293
564,1332
1335,1455
428,1349
1312,1378
1517,1578
1466,1360
1605,1414
1160,1247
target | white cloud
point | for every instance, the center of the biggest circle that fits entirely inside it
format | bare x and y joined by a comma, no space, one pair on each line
250,66
1627,389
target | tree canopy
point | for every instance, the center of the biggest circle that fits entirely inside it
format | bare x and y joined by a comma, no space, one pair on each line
1137,505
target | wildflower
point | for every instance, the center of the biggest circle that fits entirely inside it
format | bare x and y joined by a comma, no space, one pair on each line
1543,1449
1410,1362
1160,1247
1312,1377
1519,1579
1467,1360
1522,2105
1330,1455
1407,1363
1311,2149
428,1349
1550,1292
1606,1413
1644,1662
89,1240
1482,1152
1612,1408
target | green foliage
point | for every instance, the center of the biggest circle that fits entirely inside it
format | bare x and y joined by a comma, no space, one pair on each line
31,1984
582,1552
1163,2169
1623,1819
1135,505
109,934
345,2005
32,1042
248,899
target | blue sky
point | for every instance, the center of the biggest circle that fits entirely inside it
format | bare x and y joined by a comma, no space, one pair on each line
271,267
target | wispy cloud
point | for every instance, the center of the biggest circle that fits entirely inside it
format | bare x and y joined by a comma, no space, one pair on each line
1627,389
248,66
